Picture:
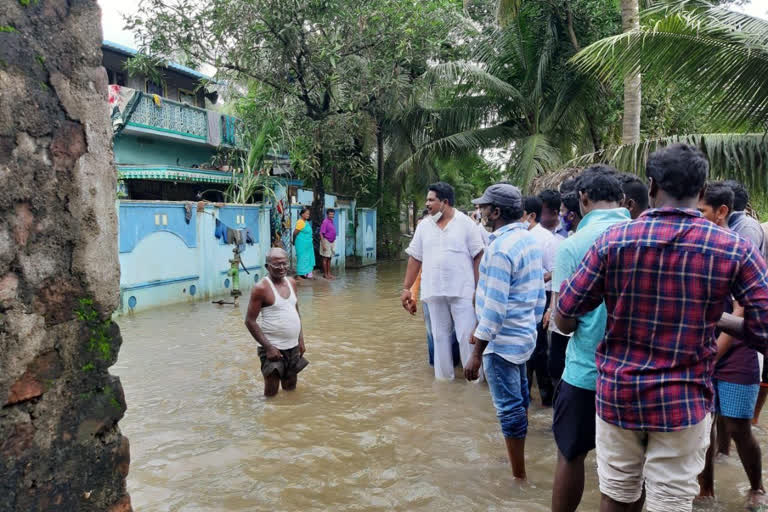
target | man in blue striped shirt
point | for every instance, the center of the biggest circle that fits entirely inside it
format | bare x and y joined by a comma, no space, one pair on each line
509,302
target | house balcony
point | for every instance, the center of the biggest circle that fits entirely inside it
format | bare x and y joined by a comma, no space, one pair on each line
137,113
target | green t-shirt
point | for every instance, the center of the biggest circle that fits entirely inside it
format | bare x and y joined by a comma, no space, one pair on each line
580,367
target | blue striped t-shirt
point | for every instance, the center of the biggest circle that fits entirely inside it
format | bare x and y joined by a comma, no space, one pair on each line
510,296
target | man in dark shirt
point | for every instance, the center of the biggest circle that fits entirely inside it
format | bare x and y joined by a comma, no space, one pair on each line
736,380
665,278
749,228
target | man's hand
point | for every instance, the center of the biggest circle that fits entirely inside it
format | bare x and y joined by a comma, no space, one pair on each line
301,347
545,320
406,299
738,309
273,354
472,368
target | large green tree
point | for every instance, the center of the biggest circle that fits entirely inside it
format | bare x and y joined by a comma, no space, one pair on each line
517,93
327,63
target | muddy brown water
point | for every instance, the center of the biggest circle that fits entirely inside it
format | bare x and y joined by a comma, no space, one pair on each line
367,430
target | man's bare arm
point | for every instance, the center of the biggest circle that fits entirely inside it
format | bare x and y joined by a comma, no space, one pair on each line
292,284
476,266
411,273
732,325
566,325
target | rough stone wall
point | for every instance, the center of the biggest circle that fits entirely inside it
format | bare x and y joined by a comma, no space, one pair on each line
60,446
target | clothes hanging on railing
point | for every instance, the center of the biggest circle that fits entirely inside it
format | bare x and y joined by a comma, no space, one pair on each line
122,102
234,236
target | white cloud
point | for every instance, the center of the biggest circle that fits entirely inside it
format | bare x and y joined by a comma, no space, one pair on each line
757,8
112,21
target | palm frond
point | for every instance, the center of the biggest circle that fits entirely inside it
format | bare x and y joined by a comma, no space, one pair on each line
718,63
532,156
743,157
474,74
480,138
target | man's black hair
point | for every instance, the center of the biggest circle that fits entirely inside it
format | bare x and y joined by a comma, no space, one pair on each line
567,186
740,195
532,204
679,170
509,213
571,203
330,210
634,189
600,183
443,191
551,199
719,193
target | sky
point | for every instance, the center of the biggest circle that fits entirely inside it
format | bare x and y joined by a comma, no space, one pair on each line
112,20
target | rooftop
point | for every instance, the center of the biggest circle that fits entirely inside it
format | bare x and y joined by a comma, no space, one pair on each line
130,52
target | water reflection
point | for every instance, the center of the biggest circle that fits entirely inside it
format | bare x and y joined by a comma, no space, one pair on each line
368,428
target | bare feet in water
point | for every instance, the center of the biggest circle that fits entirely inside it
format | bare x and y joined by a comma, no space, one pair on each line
757,501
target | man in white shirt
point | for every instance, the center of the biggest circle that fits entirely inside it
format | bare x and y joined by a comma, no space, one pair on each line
447,248
547,244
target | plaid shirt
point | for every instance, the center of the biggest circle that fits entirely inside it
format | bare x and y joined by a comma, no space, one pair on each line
665,278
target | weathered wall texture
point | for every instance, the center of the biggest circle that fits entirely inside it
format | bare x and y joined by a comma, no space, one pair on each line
60,446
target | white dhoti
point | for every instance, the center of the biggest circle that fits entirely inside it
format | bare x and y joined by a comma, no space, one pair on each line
445,315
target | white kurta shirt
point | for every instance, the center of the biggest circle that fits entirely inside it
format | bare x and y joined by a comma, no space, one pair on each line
446,256
547,244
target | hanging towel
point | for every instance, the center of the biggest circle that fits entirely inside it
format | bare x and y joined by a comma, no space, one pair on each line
221,230
214,128
230,235
188,211
122,102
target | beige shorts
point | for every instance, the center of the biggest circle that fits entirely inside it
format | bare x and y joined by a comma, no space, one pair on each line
668,462
326,248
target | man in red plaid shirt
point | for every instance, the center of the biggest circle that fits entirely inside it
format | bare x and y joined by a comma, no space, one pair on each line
665,279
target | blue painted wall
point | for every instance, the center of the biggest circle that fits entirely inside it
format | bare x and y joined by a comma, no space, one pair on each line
148,151
183,262
140,219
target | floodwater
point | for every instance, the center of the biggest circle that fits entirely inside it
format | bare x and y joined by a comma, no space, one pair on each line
368,428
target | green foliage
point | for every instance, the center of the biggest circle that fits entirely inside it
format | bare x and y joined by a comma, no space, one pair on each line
716,56
150,66
99,342
714,62
7,28
513,93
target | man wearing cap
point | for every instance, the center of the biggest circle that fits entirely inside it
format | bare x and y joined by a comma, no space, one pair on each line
446,247
509,302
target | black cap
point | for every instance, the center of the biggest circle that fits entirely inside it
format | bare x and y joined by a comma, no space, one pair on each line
501,194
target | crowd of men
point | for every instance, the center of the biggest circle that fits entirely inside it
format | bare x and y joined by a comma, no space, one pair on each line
643,328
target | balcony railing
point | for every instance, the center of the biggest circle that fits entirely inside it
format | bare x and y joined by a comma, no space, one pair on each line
132,108
170,117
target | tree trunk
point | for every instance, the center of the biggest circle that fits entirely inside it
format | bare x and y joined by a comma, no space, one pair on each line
60,443
379,161
632,82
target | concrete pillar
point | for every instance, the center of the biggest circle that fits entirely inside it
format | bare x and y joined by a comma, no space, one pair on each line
60,445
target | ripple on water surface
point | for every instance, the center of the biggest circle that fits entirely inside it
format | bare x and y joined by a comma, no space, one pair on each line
368,428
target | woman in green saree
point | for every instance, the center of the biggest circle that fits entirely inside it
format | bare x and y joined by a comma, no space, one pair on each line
302,241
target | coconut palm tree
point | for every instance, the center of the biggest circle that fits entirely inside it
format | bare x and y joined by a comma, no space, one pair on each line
507,10
506,97
717,56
